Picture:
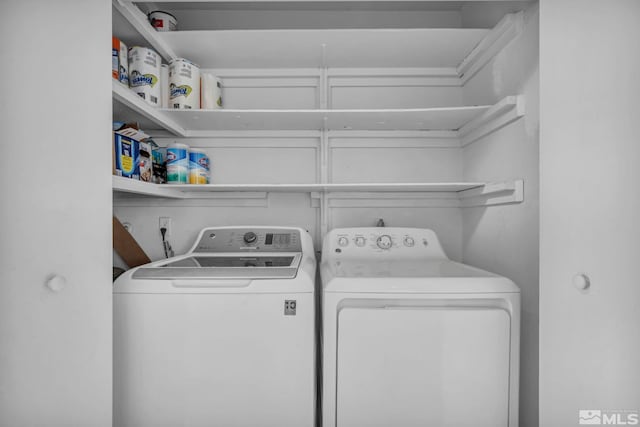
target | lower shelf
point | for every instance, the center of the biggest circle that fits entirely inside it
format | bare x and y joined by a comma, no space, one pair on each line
470,193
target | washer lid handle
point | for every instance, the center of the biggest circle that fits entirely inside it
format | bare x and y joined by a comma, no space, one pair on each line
217,283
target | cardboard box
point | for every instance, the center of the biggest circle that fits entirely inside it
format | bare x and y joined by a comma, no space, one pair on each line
126,157
127,247
126,151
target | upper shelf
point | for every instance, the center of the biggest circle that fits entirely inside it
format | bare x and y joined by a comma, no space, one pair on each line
129,107
451,48
368,48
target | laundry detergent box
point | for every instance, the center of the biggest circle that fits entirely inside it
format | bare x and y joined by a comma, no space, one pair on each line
126,151
126,159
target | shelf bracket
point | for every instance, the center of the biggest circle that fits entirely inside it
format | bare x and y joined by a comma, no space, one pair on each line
228,195
316,199
498,38
491,194
498,116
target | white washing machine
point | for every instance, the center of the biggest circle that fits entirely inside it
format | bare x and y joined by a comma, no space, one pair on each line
411,338
221,336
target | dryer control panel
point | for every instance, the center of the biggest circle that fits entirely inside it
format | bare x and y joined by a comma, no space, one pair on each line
385,242
258,239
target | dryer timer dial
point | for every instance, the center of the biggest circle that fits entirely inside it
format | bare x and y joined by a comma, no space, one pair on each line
384,242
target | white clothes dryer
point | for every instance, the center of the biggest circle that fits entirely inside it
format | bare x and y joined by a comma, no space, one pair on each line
411,338
221,336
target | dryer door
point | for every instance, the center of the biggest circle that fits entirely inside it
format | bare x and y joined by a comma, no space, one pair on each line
423,366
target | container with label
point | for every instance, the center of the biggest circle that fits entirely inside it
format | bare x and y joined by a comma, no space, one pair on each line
159,166
145,162
198,167
115,52
163,21
144,74
177,163
164,85
123,64
184,84
211,92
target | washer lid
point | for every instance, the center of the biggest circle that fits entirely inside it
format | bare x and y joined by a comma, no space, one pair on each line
223,266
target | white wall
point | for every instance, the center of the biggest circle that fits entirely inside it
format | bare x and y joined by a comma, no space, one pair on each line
590,206
282,209
504,239
55,347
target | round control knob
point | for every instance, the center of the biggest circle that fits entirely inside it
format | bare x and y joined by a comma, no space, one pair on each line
343,241
360,241
409,242
250,237
581,281
384,242
56,283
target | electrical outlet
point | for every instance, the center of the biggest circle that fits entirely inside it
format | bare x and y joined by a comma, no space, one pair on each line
165,222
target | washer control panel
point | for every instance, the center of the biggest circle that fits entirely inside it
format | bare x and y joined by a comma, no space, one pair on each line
249,240
383,241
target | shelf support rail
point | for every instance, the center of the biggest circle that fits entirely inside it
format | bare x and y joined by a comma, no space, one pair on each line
323,89
498,38
501,114
492,194
324,179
